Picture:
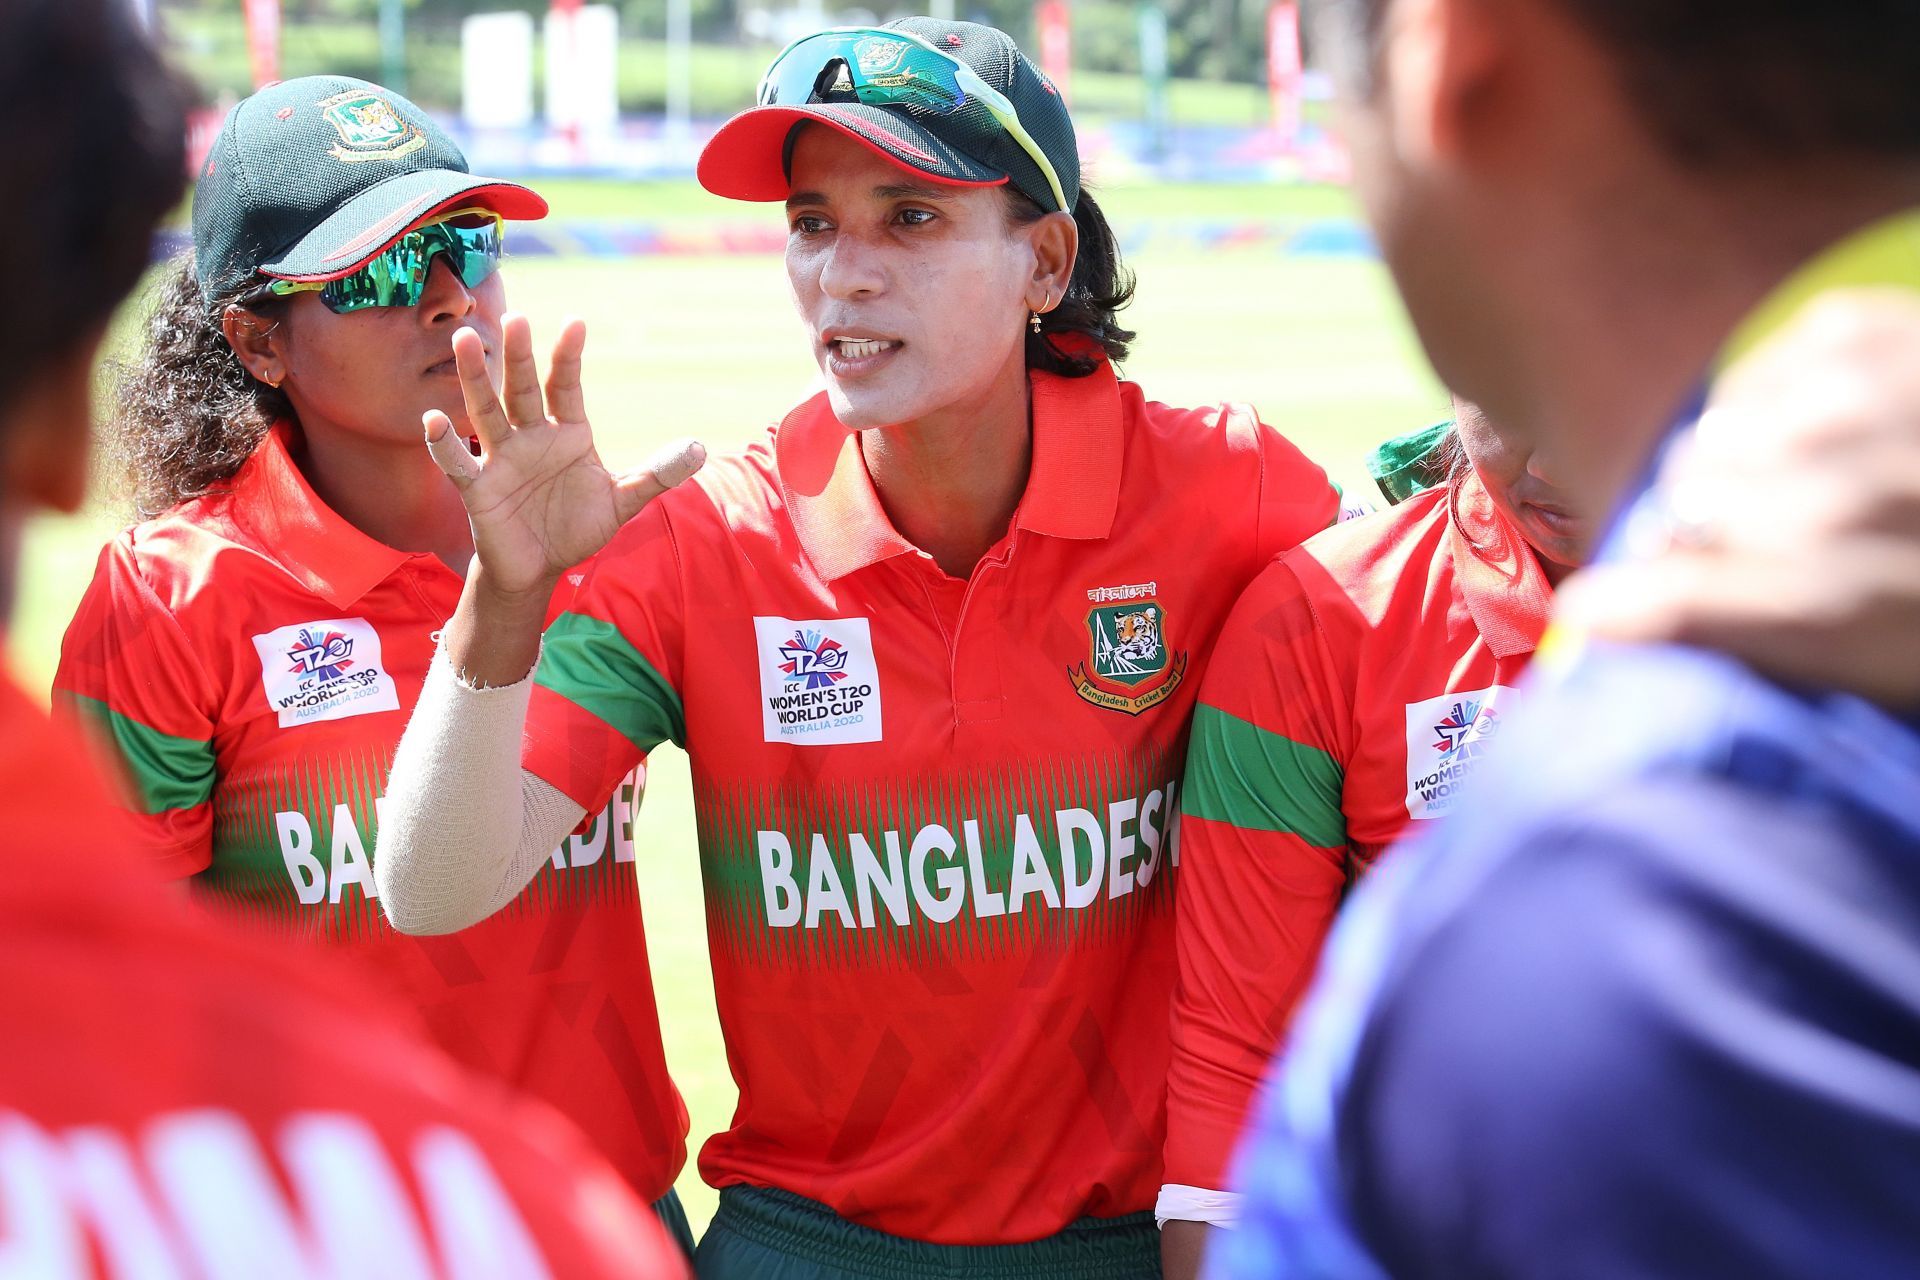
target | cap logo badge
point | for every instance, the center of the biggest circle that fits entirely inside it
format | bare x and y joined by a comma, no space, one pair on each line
878,57
369,128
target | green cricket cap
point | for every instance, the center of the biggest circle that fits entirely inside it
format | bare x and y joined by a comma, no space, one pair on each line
748,158
312,178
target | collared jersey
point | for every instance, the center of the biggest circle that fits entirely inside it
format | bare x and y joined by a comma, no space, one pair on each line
178,1097
936,815
1355,688
1654,1013
252,659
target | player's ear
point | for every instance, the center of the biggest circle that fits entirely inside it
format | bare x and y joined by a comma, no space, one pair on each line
258,341
1056,242
1444,63
48,434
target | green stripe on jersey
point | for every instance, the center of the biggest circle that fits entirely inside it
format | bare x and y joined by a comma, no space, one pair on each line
171,772
590,664
1248,777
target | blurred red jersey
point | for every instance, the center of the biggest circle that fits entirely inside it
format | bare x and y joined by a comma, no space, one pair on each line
1356,687
181,1100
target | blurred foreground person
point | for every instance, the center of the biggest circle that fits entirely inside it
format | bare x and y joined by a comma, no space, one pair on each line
176,1100
1652,1009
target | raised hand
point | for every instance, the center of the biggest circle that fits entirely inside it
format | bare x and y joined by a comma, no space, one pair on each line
538,496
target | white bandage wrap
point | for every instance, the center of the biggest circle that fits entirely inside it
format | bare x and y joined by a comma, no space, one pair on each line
1181,1203
456,786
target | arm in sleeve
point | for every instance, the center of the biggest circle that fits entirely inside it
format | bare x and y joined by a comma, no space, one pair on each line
534,757
607,688
1666,1039
456,784
1263,864
130,680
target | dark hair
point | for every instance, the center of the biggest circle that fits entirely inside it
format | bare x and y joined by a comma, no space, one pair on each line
95,159
1744,82
1098,288
189,413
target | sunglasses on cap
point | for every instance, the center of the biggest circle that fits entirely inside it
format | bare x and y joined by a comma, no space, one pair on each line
885,68
397,275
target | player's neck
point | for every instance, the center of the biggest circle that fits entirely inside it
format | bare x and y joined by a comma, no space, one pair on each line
393,493
951,481
1626,327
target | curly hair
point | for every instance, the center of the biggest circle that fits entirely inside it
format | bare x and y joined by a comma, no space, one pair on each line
1099,287
188,412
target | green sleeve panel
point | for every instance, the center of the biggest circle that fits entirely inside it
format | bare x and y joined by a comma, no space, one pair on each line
1248,777
170,773
592,665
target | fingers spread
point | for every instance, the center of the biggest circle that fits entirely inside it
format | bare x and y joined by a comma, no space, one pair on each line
525,408
663,471
565,400
449,451
476,388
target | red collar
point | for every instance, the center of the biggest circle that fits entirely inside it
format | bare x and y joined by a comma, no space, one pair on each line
1073,488
1506,591
302,534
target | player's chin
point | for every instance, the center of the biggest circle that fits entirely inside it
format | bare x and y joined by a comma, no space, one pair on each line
863,406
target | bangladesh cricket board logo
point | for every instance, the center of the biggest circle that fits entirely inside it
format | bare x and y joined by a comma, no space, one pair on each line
369,128
1128,648
812,660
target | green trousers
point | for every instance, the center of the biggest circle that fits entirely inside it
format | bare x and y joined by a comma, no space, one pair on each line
763,1234
673,1216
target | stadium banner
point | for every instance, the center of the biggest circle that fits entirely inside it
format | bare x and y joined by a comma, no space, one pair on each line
1054,22
1285,71
496,70
582,43
263,41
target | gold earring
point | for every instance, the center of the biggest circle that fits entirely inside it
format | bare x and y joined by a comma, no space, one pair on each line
1035,322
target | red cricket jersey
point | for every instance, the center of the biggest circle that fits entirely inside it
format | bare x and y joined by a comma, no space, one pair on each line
252,658
936,815
177,1099
1353,690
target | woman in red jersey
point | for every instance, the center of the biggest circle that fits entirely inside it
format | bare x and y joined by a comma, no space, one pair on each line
932,648
250,652
1353,690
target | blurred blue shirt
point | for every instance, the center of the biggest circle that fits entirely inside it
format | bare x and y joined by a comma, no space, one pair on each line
1649,1007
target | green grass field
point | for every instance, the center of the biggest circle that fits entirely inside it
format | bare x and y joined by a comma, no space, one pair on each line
710,347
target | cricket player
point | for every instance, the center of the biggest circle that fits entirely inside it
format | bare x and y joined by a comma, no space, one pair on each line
1358,686
250,652
932,646
176,1097
1654,1011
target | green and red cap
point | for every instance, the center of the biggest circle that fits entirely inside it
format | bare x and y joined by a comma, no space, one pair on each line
750,157
310,179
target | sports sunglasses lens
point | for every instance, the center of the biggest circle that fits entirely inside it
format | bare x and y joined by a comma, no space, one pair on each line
795,77
398,277
881,70
475,252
